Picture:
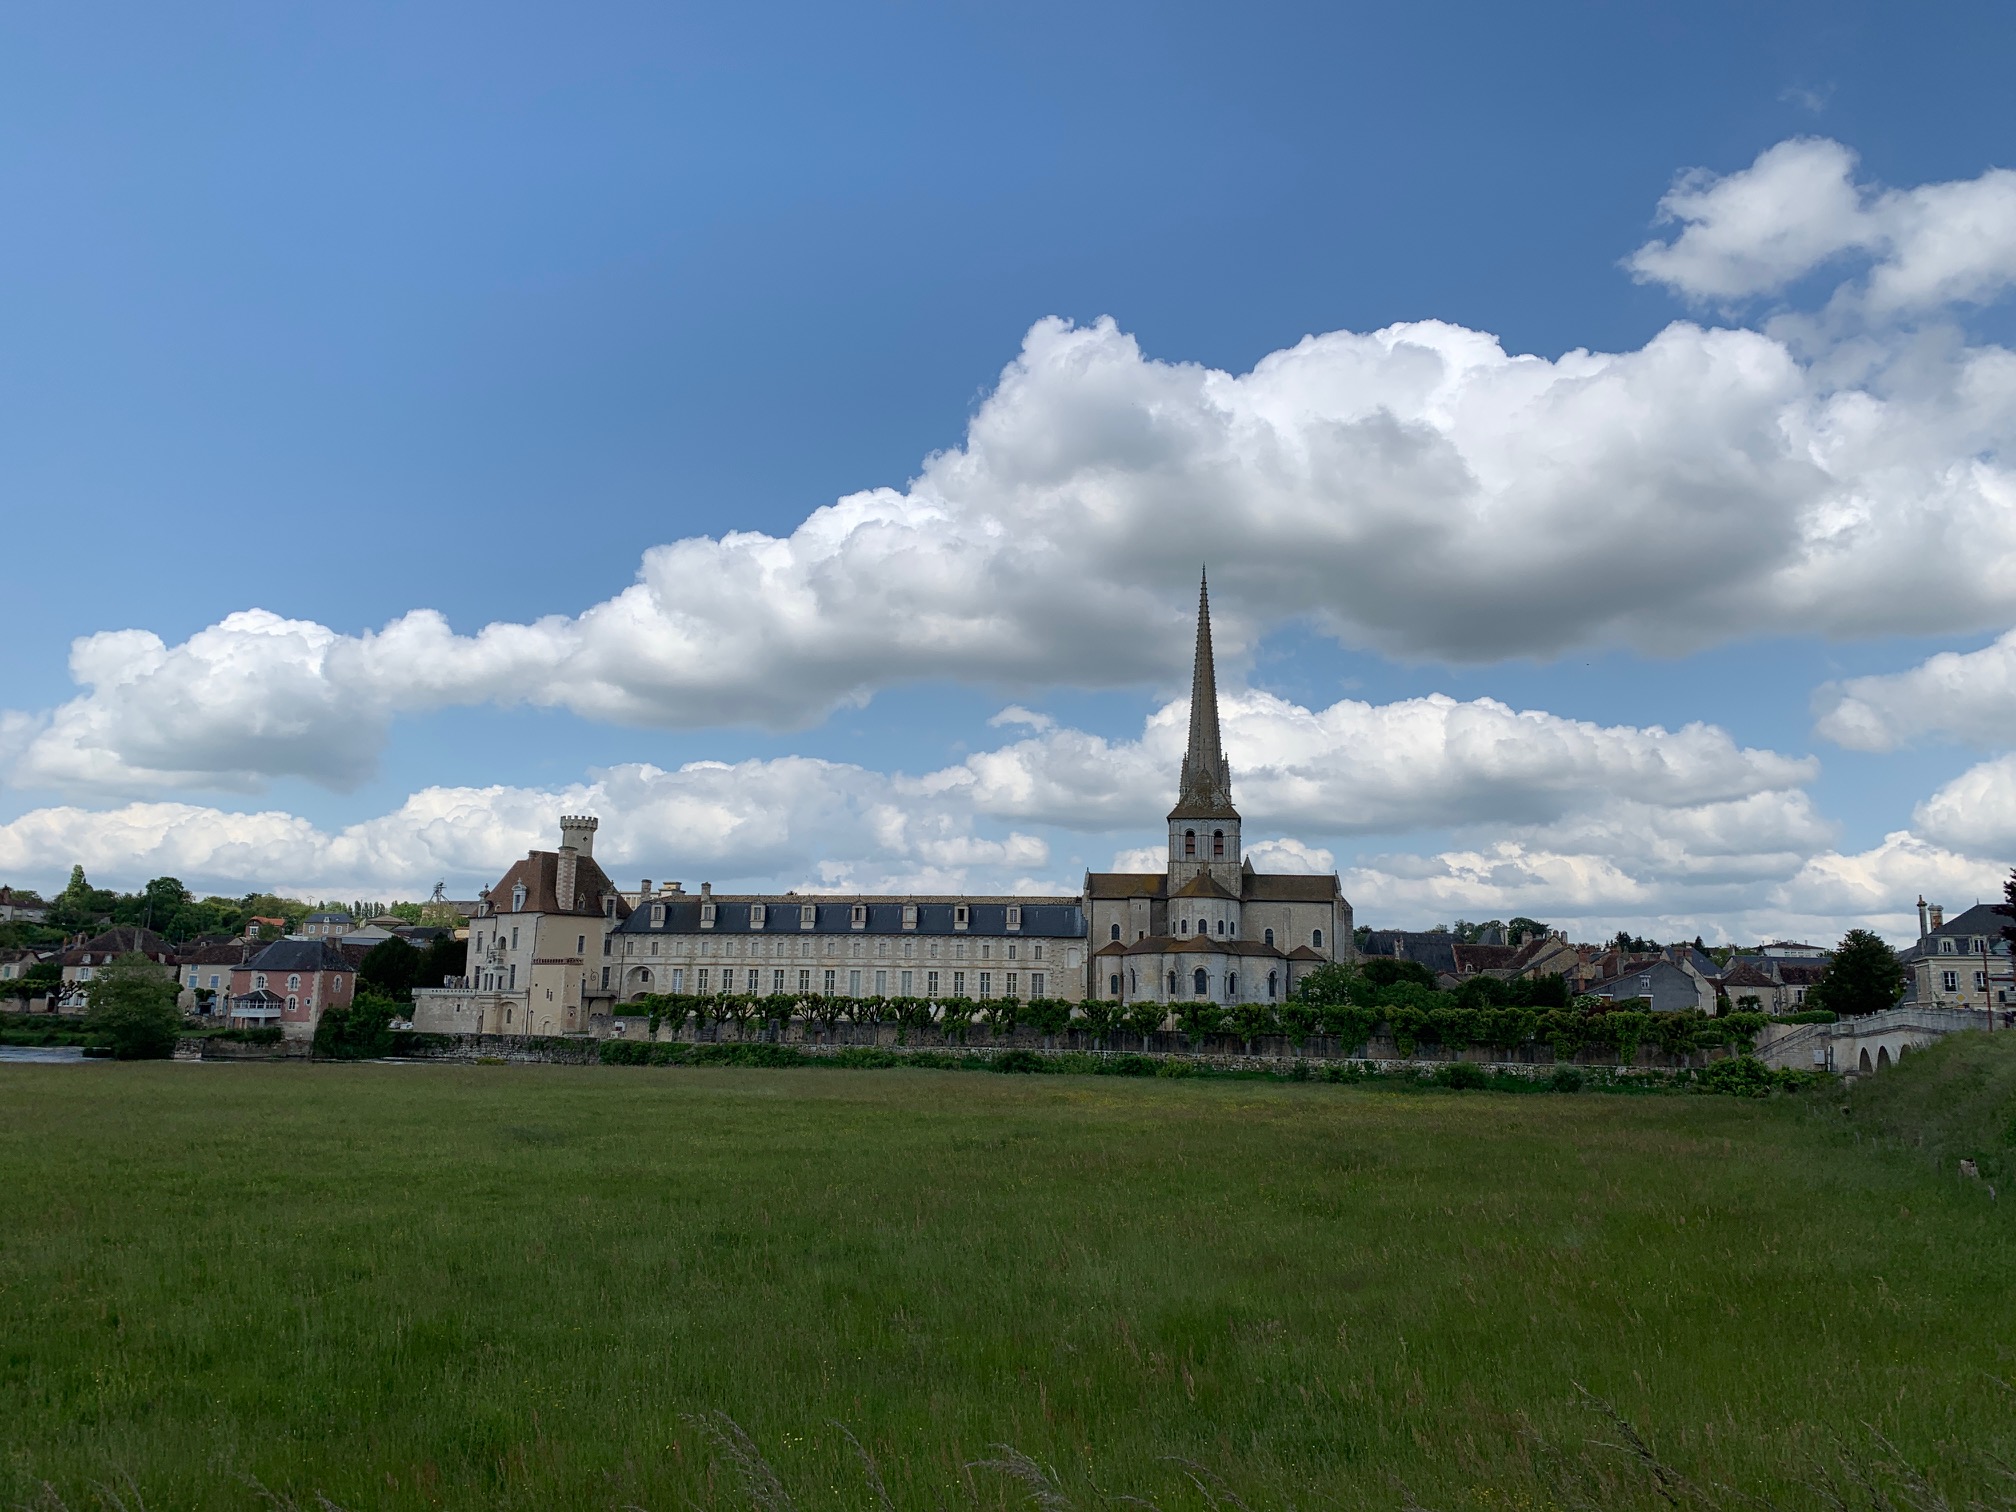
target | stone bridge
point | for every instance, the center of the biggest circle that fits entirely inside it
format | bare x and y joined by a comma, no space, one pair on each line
1857,1046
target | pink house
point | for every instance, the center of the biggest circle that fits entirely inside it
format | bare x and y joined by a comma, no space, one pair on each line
290,983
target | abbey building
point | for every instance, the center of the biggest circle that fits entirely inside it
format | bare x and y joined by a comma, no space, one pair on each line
556,946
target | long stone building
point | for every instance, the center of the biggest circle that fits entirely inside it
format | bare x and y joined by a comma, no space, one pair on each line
555,946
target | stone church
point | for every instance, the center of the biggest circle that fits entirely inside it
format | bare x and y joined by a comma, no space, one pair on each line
555,946
1208,925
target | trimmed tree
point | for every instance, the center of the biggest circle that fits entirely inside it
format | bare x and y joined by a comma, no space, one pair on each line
132,1004
1864,977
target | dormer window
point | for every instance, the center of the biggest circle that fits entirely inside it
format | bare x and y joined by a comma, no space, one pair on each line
857,916
758,914
960,915
909,915
518,898
608,905
706,915
1217,845
657,915
808,915
1946,945
1189,844
1014,916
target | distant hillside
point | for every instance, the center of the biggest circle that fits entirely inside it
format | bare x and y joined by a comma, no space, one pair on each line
1956,1100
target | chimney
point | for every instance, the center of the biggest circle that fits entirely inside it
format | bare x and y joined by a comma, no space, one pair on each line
1923,929
1938,916
675,887
578,831
563,877
643,889
706,889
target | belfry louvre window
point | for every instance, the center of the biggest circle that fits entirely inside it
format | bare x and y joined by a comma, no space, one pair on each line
808,915
1217,845
757,913
1189,843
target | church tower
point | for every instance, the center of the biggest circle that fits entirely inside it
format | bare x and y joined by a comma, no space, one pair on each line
1204,827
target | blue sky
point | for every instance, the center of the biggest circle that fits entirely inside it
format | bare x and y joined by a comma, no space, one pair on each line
341,314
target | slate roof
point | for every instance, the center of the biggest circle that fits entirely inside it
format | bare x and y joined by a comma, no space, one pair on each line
333,917
300,955
1290,887
127,939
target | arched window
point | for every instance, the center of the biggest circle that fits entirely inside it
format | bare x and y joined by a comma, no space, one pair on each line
1316,938
1189,842
1200,983
293,1003
294,984
1204,926
1113,984
1133,980
1270,937
1172,984
1184,926
1232,986
1114,932
1217,845
1271,976
1221,926
518,898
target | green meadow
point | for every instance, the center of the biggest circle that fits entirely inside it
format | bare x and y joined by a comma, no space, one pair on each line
431,1286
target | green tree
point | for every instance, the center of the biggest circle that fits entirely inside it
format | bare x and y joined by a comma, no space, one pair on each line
362,1031
1523,928
1864,977
1385,971
79,906
39,980
132,1005
1099,1017
446,957
1144,1019
2008,908
391,970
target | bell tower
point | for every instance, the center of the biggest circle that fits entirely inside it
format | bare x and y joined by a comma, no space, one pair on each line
1204,827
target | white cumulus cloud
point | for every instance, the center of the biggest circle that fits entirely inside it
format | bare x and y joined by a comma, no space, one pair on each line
1968,696
1798,207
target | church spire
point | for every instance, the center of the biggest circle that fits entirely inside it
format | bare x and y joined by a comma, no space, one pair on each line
1205,791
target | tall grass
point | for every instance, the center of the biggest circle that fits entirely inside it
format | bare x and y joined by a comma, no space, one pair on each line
501,1287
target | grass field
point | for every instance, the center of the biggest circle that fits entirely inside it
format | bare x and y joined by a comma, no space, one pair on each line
462,1287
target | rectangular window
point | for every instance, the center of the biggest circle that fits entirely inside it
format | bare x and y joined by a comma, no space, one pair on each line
703,978
580,944
514,980
1011,985
1011,952
514,936
758,912
853,984
903,981
1014,916
1036,950
706,915
678,979
804,981
1950,980
808,915
881,984
909,915
857,916
959,916
777,981
754,979
958,984
1035,984
1980,981
657,915
605,944
605,978
986,984
831,977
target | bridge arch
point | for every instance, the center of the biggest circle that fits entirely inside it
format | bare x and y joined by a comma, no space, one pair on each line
1882,1057
1865,1066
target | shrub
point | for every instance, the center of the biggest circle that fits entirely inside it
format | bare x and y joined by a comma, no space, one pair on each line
1023,1062
132,1008
362,1031
1565,1079
1462,1076
1747,1076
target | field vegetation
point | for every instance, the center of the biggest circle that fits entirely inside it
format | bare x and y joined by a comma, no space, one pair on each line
421,1286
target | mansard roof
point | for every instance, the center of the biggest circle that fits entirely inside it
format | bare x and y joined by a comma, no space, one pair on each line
299,955
1047,918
